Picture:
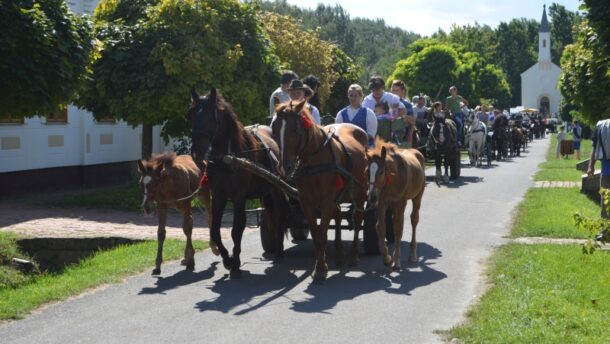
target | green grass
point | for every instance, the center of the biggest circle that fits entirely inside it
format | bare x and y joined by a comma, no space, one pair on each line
548,212
10,277
125,197
105,267
542,294
561,169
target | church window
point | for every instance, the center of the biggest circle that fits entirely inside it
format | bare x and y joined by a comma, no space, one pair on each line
544,43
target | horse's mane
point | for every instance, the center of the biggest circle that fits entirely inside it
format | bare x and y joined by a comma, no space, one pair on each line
243,139
379,143
289,105
166,158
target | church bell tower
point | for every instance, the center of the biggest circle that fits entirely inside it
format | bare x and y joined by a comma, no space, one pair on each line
544,39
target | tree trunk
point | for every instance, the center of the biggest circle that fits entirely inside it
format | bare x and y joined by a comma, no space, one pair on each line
147,140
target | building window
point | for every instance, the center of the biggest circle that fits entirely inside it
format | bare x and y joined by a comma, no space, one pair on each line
106,120
7,118
544,43
58,116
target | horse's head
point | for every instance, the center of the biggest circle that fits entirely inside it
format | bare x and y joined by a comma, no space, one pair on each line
151,176
203,115
290,128
378,175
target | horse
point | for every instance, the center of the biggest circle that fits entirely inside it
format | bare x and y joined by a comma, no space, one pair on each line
476,147
395,177
516,136
172,181
331,169
501,137
219,129
443,143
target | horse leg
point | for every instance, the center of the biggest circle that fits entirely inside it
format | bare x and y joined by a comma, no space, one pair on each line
437,164
381,227
187,228
357,218
206,199
239,224
314,228
218,206
321,270
398,216
162,217
339,253
414,222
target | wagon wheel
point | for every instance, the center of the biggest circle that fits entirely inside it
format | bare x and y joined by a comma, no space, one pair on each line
267,237
299,229
369,235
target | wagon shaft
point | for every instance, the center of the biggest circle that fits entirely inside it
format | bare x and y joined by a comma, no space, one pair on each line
253,168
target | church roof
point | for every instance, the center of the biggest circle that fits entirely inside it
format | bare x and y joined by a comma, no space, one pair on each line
544,23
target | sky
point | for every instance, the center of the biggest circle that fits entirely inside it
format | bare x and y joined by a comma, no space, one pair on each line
426,16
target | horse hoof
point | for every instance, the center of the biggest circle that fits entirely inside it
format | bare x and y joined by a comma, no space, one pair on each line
387,262
156,271
413,259
319,277
190,267
228,263
235,274
396,268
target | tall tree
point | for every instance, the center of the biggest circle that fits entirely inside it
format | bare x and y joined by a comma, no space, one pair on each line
515,53
44,50
153,52
562,23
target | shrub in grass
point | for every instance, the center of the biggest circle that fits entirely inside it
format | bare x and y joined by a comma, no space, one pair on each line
542,294
9,277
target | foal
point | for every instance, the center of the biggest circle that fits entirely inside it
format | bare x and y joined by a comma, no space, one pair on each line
172,181
395,177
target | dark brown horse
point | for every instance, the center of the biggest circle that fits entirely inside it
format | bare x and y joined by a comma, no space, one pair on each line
220,130
172,181
501,137
443,147
328,165
395,177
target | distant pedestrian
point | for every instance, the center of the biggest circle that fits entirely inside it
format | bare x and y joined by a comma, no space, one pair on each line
577,134
560,138
601,151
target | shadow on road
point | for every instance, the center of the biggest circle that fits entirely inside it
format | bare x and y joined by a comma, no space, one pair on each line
279,281
179,279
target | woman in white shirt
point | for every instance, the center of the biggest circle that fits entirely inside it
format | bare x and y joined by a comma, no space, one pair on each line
357,114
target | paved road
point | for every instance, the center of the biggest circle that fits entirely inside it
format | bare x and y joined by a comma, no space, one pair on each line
460,225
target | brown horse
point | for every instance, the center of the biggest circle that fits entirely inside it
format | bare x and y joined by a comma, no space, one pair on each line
331,169
395,177
172,181
219,130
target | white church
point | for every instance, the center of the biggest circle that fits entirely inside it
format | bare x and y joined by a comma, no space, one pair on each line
539,83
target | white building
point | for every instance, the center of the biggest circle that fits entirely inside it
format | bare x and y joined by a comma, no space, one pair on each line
539,83
69,148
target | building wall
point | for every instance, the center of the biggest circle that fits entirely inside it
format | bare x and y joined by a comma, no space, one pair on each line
538,81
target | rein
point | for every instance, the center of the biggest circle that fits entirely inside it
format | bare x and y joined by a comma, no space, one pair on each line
179,199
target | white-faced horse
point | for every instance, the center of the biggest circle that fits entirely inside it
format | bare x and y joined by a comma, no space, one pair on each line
478,134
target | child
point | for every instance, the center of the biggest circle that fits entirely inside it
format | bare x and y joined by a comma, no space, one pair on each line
560,137
382,110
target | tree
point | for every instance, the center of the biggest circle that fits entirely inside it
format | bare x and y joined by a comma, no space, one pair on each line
44,50
562,22
349,73
430,70
153,52
585,75
304,52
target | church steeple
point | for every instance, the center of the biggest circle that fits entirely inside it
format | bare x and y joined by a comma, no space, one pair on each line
544,39
544,23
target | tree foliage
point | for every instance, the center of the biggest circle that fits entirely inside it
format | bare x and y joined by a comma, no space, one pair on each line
349,73
304,52
44,50
585,67
371,43
152,52
562,24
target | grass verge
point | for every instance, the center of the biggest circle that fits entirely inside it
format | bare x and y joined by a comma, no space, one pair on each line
554,169
548,212
542,294
105,267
